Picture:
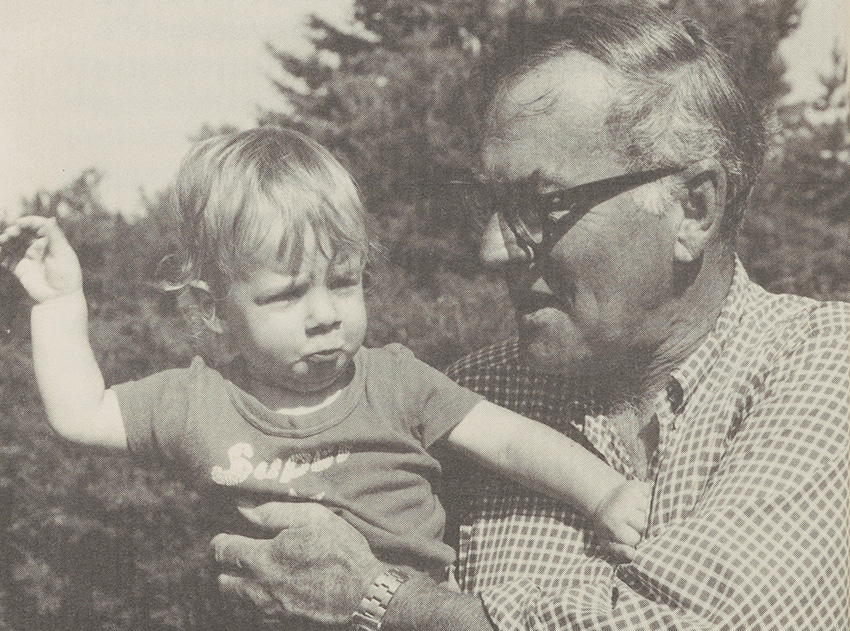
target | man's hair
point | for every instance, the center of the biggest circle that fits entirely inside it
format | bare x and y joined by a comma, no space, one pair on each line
680,102
245,200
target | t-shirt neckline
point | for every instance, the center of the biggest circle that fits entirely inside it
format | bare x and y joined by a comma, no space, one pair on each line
311,423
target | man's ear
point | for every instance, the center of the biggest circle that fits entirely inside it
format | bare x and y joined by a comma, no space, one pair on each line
703,205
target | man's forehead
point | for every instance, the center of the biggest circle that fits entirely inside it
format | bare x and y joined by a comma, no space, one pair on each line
558,108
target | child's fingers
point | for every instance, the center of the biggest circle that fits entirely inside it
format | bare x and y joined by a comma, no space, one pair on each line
25,245
13,249
637,520
55,243
639,490
33,221
37,249
636,523
38,240
6,233
641,499
17,238
639,507
622,550
626,534
39,225
9,234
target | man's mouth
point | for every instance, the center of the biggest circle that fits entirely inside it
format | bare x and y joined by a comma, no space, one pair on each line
531,301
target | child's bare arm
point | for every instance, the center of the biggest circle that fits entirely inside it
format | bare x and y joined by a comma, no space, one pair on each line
545,460
70,382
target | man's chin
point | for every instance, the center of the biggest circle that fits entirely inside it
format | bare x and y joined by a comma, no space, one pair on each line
551,352
545,343
545,356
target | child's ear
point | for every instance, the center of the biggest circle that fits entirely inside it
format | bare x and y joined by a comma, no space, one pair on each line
197,304
703,205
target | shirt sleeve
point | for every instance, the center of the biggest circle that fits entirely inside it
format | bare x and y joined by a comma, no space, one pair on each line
155,412
766,547
435,403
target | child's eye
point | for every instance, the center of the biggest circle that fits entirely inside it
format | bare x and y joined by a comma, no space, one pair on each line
344,282
289,294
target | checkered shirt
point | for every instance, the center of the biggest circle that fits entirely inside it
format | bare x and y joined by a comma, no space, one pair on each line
748,527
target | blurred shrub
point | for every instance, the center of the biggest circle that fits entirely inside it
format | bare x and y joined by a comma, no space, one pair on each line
795,235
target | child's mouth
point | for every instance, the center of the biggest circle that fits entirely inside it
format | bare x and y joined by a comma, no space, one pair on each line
331,354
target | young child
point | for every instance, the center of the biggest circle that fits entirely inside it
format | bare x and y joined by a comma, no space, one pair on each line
275,245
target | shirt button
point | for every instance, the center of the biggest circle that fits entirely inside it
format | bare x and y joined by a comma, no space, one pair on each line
675,395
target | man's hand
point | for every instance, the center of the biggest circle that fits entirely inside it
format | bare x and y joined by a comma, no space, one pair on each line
316,567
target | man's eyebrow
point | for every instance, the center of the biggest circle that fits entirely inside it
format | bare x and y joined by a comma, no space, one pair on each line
520,182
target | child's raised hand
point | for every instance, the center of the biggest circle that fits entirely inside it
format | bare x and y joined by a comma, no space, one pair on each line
37,252
623,514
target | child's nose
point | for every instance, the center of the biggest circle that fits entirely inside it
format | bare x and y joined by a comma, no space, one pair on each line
322,314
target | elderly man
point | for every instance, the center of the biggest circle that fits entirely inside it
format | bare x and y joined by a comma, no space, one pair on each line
618,157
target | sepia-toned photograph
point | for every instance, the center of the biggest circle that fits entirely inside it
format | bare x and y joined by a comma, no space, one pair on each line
425,315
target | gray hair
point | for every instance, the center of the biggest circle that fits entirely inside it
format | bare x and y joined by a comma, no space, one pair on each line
681,100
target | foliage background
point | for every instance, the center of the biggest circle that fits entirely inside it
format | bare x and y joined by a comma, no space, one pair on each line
90,541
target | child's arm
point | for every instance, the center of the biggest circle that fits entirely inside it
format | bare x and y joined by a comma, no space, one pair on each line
71,385
545,460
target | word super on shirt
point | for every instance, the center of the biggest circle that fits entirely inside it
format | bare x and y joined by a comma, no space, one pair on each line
364,455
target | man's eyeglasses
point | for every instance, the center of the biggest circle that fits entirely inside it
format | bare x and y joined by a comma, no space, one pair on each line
539,220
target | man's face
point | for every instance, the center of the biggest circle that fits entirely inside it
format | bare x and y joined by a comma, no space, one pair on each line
600,293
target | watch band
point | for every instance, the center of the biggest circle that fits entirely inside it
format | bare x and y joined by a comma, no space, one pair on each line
370,614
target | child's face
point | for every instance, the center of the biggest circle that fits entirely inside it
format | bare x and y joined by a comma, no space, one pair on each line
299,333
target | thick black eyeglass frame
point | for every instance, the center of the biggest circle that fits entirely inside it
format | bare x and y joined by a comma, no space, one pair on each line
557,211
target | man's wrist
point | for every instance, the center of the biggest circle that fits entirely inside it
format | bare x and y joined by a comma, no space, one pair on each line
420,604
402,611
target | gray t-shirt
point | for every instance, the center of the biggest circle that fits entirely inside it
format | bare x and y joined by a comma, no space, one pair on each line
364,456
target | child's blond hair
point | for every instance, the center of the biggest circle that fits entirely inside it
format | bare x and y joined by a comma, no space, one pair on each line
246,200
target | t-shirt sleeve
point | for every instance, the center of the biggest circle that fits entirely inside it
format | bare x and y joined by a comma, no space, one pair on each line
155,411
435,403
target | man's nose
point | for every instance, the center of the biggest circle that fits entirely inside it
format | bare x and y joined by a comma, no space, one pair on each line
322,312
499,246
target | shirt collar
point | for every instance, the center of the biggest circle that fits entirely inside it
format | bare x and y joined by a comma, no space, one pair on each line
684,378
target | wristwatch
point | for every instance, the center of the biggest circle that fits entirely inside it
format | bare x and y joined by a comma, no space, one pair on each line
370,614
